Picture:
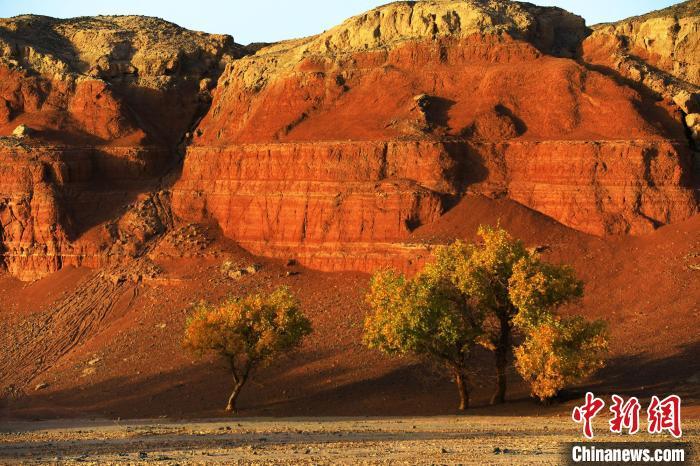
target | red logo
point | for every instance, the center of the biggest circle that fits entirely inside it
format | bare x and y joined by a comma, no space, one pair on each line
663,415
625,415
585,414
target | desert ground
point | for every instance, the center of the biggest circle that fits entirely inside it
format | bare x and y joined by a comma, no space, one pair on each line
474,439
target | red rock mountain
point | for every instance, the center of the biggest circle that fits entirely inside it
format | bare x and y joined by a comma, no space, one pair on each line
334,148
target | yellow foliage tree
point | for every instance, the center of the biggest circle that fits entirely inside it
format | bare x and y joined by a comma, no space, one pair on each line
509,283
248,332
502,287
426,316
559,352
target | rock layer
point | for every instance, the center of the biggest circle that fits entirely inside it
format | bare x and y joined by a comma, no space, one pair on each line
74,206
666,40
510,114
334,148
105,102
659,51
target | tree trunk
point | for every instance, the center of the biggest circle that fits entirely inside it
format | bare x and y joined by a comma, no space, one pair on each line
501,352
238,382
231,405
463,389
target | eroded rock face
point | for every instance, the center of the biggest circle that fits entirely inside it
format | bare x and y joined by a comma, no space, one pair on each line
660,50
108,100
158,69
475,96
63,205
332,149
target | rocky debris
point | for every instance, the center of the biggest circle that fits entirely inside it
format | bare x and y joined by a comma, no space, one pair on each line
422,100
232,270
190,240
94,361
666,39
427,117
253,269
688,102
132,235
495,124
133,272
658,50
41,386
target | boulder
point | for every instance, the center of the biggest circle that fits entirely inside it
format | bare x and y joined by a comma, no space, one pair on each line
687,101
693,122
22,131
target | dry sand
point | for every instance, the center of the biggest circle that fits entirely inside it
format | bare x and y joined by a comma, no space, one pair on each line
402,440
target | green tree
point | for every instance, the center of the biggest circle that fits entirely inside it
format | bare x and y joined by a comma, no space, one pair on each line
426,316
248,332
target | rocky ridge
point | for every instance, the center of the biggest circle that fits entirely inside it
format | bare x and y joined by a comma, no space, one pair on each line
660,51
467,81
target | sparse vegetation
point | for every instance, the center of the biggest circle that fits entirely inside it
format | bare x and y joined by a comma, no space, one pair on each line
248,332
482,294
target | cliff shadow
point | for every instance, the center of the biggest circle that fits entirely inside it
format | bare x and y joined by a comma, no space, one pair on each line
289,388
470,167
115,182
436,110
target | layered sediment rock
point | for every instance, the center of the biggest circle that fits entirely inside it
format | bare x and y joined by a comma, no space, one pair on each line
482,98
104,102
70,206
317,192
334,148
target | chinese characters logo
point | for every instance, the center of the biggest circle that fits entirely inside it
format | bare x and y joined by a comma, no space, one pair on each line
662,415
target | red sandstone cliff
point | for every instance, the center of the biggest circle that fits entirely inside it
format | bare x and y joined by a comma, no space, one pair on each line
325,144
106,101
333,148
